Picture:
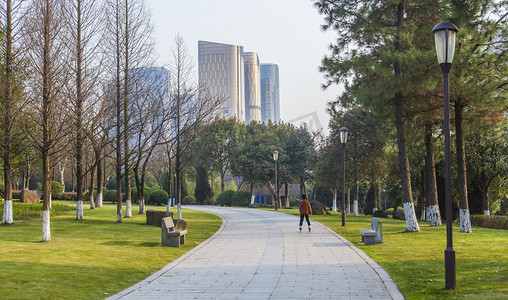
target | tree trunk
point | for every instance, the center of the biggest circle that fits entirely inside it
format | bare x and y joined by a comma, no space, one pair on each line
222,186
7,213
484,189
355,207
118,124
334,204
433,214
100,180
409,211
92,204
287,195
465,220
128,200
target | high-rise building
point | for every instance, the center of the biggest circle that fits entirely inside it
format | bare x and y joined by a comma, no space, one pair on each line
221,72
252,87
270,99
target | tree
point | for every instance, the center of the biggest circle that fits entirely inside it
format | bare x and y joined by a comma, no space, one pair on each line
203,192
193,105
43,32
14,56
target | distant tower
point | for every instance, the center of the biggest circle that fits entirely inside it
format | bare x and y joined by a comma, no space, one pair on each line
252,87
270,99
221,72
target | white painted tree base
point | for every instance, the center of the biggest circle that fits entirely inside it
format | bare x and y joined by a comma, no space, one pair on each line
79,210
142,205
169,205
486,212
128,208
46,231
465,221
98,201
92,205
334,206
355,208
411,220
374,210
179,206
433,215
7,217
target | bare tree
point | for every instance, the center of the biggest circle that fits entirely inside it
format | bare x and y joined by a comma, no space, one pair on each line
193,105
12,13
43,32
84,23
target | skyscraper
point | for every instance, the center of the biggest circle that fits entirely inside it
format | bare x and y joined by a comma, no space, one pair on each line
270,99
252,87
221,72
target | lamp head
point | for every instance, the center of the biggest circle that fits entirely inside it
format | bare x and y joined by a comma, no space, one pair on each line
275,155
343,135
444,34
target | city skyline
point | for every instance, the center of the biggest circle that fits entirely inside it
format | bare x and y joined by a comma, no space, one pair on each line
284,32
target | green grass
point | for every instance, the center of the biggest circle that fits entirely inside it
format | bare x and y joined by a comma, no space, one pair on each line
415,261
90,259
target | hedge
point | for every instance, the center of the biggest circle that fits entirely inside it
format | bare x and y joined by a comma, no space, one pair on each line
241,198
494,222
159,197
225,198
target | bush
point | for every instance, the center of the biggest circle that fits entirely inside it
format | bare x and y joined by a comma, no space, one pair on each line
134,194
241,198
225,198
380,214
159,197
110,196
56,188
294,201
399,214
24,211
189,199
66,196
39,186
494,222
86,196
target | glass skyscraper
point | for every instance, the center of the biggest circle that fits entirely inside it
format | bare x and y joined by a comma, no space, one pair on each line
270,99
252,87
221,72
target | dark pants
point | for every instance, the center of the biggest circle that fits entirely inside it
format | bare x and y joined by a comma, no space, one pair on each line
306,219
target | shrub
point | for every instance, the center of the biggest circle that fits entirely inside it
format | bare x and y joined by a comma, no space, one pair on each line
495,222
159,197
134,194
86,196
399,214
39,186
241,198
189,199
294,201
66,196
225,198
110,196
56,188
24,211
380,214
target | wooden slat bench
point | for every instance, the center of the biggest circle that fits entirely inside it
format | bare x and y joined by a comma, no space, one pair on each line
169,236
375,235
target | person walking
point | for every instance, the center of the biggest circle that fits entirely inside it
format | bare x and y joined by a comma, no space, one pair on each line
305,211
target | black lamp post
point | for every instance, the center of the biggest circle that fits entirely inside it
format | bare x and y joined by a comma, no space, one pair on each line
211,175
275,158
444,34
343,140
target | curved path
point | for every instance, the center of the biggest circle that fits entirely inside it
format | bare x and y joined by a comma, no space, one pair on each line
259,254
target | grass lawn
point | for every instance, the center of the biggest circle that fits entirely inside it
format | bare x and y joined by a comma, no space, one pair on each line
90,259
415,261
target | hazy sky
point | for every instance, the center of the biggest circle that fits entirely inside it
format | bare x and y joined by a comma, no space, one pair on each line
285,32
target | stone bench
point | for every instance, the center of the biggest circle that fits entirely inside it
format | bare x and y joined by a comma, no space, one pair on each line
375,235
154,217
169,236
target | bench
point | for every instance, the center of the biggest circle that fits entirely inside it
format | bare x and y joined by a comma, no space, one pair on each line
375,235
169,236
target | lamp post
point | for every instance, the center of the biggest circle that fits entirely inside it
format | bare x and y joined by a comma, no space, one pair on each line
211,175
343,140
444,34
275,158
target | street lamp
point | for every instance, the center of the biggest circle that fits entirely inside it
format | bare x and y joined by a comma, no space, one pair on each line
343,140
444,34
275,158
211,175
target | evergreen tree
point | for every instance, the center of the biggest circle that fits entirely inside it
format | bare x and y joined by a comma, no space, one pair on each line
203,192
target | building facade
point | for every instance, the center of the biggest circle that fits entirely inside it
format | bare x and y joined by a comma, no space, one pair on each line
221,73
252,87
270,98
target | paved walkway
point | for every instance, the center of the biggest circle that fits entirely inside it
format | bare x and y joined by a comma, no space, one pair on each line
260,254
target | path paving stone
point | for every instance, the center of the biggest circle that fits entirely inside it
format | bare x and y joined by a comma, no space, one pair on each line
259,254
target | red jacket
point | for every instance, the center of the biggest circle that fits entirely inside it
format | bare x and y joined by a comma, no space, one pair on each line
305,208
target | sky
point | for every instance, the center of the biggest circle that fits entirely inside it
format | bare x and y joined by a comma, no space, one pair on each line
284,32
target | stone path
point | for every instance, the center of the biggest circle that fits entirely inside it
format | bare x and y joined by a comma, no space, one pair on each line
260,254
